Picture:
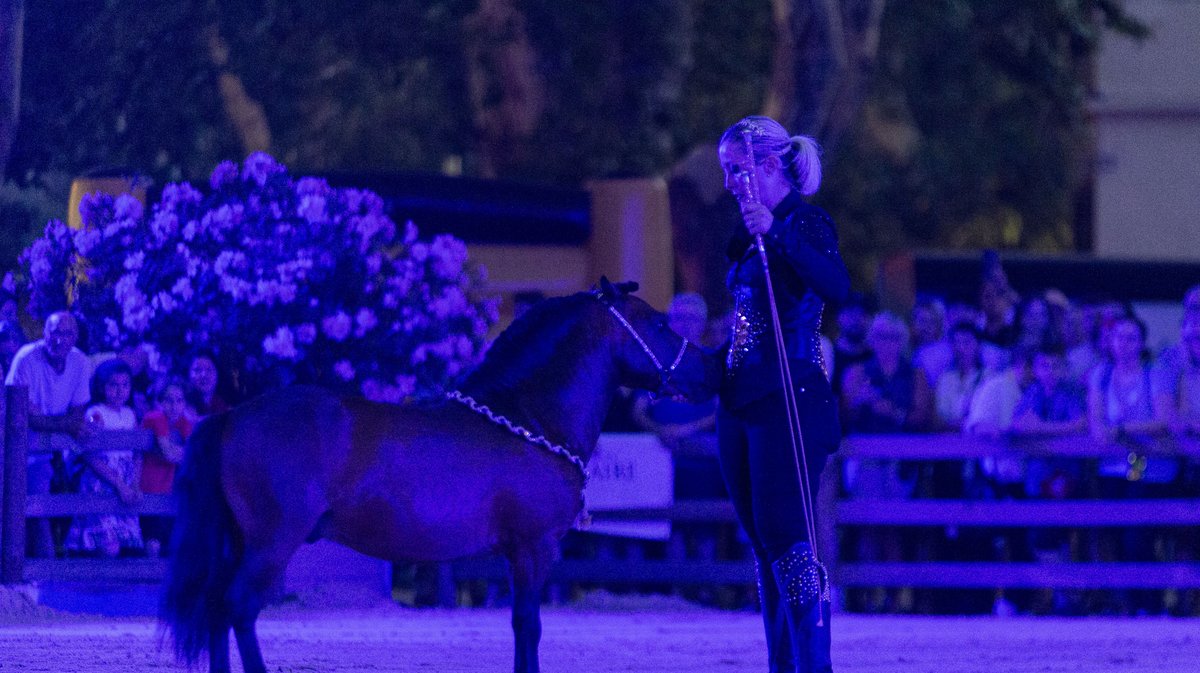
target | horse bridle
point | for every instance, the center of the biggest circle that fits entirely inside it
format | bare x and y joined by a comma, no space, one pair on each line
664,373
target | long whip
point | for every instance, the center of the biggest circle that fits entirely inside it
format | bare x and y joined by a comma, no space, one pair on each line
789,395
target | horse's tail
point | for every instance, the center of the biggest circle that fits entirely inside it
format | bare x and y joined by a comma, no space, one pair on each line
205,547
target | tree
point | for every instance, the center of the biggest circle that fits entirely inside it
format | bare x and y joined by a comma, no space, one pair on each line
12,22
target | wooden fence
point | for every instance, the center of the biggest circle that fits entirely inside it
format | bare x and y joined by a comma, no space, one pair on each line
837,514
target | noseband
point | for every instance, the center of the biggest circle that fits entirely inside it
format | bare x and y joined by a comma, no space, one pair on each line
664,373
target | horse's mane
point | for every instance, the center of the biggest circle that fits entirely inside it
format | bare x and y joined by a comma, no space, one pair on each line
528,344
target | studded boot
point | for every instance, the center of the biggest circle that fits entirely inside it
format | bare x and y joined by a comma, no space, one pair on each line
803,588
779,646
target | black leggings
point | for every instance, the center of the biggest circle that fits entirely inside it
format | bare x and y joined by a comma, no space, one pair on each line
759,465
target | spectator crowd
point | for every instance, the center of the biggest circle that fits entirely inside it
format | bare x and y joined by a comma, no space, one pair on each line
1039,365
73,396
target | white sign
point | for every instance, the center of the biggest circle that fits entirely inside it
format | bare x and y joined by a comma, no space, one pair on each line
630,471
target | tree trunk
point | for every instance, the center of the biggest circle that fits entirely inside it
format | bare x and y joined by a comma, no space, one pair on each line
507,95
12,21
824,56
247,115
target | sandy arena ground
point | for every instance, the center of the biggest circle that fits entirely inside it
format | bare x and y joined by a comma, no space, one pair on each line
658,638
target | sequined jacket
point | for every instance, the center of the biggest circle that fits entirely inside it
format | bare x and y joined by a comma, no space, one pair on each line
806,271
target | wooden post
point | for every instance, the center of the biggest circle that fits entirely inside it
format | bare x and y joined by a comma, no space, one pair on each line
16,435
3,489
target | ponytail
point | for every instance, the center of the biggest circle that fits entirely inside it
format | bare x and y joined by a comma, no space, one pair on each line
803,164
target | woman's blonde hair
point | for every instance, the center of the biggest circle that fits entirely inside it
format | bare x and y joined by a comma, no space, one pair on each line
799,155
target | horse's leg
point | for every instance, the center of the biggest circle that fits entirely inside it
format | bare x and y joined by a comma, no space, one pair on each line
530,568
218,649
259,569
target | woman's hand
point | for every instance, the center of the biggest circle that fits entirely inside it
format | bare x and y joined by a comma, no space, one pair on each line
758,218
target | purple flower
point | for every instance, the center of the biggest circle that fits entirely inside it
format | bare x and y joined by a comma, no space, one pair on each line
344,370
180,193
260,167
306,333
281,344
365,321
127,207
312,208
337,326
93,209
225,173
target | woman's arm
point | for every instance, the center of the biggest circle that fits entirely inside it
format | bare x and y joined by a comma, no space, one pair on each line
808,244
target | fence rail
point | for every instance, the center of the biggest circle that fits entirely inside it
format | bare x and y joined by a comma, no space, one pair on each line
837,513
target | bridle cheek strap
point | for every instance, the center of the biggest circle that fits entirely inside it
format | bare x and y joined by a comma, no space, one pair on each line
664,374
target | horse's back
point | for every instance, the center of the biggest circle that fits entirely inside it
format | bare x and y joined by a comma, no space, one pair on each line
281,455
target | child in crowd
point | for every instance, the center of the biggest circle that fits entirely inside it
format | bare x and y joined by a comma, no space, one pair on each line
170,422
110,472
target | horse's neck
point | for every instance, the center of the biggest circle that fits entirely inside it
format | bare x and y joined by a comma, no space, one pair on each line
566,403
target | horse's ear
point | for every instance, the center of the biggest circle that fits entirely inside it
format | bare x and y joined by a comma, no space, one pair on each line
607,289
628,287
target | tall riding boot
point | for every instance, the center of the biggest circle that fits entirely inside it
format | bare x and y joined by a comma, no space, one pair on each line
803,587
779,646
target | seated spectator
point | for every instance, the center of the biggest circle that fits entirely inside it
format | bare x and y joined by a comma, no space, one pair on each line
109,472
57,375
171,424
957,385
203,379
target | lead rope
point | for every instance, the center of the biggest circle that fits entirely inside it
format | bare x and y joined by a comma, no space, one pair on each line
789,395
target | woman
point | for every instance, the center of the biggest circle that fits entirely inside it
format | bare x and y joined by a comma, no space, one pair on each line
202,380
770,172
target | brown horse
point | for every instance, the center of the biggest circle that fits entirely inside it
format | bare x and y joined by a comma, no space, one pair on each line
496,467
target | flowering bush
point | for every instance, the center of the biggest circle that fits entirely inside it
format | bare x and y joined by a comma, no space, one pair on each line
286,280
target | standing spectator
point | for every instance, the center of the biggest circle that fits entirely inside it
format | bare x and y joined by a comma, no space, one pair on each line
1191,301
879,394
1121,412
57,375
1175,382
932,352
170,422
11,340
878,397
850,347
957,385
203,383
1034,325
1051,404
688,430
998,302
1120,404
1176,387
110,472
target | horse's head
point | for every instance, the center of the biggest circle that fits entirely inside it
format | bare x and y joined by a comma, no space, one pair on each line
651,356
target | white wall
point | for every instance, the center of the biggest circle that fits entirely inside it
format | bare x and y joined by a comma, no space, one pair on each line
1148,131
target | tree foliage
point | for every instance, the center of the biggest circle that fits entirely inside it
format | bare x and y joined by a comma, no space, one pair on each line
972,132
